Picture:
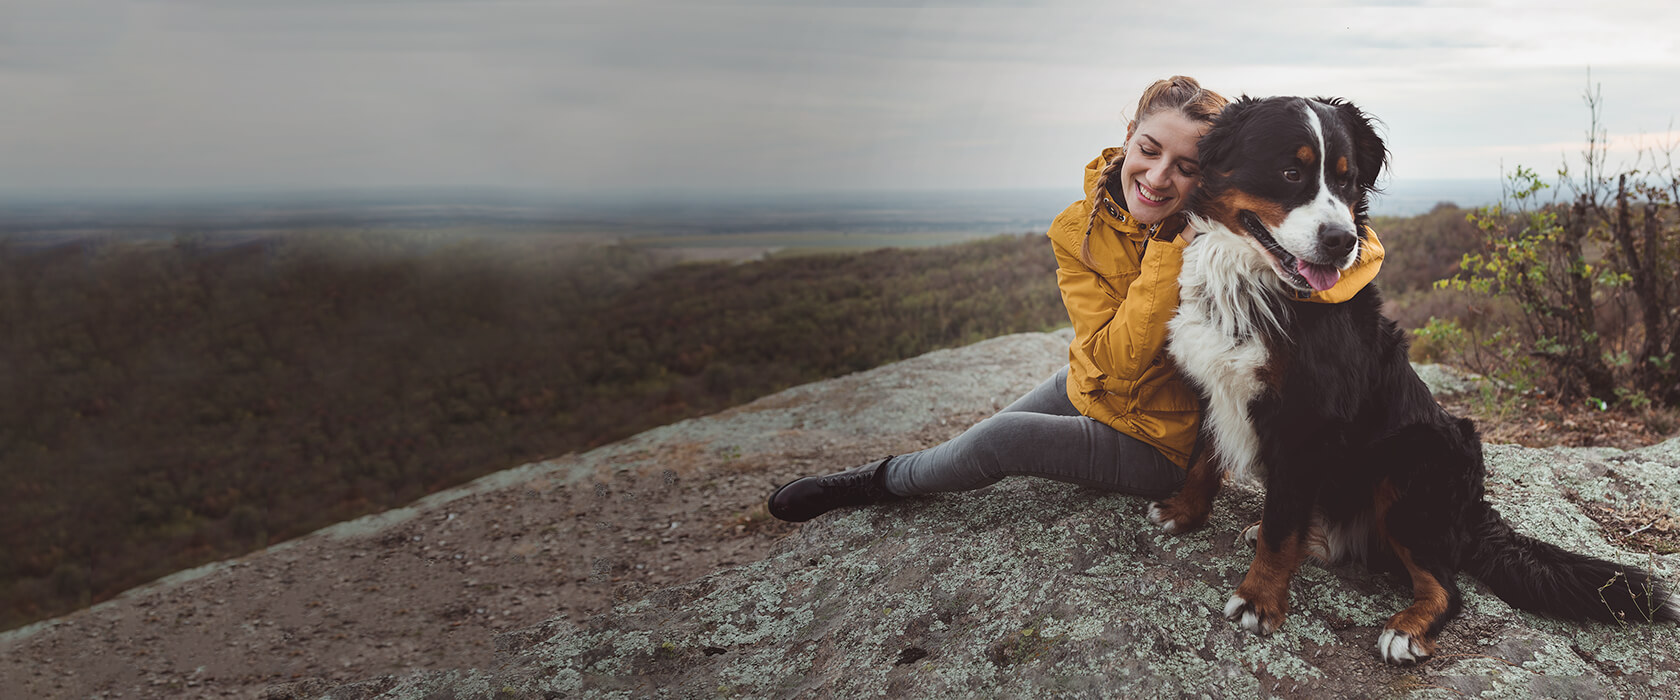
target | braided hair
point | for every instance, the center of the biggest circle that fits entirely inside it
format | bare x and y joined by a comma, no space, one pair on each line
1179,93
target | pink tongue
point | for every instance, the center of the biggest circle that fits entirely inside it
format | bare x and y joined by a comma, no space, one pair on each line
1321,277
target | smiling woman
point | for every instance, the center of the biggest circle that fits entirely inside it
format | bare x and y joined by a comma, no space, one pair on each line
1157,169
1162,165
1116,418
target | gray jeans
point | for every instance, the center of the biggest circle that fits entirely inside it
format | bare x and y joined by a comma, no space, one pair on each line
1041,434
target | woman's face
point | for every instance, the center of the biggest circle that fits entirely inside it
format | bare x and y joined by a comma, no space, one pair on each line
1160,170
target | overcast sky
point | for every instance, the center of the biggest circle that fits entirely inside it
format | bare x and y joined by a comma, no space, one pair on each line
698,96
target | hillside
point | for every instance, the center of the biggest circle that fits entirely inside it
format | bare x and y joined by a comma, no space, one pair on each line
170,403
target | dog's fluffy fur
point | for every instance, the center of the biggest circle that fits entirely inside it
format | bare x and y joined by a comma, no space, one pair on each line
1318,401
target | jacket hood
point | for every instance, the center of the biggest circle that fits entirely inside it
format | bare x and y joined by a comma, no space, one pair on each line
1109,212
1093,170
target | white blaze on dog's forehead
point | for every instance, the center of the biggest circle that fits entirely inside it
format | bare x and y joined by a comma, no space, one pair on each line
1317,125
1298,233
1317,128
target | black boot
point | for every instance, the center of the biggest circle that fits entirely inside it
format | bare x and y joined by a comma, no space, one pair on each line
802,499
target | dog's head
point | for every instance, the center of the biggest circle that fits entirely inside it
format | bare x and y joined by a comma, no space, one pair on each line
1292,175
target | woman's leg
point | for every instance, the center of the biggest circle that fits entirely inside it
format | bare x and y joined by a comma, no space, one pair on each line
1049,397
1041,434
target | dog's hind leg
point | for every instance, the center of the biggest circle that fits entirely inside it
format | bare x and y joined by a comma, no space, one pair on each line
1409,636
1189,508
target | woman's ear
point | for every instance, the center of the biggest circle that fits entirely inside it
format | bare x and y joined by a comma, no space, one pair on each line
1131,128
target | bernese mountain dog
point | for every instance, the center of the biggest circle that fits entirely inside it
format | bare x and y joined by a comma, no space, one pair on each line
1318,402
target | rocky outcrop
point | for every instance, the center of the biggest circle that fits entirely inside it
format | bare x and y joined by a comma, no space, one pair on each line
1032,588
1027,588
431,585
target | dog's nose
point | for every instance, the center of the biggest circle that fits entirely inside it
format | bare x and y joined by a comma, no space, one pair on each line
1336,240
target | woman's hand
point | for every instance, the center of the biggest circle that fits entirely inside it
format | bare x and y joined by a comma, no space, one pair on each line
1175,225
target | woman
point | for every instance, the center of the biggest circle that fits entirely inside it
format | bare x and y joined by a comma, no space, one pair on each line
1117,418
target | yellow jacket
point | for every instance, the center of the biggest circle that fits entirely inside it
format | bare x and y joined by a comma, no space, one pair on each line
1118,371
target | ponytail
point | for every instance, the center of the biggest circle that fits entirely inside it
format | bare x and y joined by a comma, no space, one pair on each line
1110,169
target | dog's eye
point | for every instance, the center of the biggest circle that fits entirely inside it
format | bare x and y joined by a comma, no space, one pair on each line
1292,175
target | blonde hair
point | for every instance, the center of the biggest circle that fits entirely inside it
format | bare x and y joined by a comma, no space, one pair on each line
1179,93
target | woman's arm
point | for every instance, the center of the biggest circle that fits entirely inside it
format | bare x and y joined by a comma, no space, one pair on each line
1121,324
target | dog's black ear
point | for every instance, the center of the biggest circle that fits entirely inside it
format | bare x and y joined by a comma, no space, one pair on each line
1370,153
1218,145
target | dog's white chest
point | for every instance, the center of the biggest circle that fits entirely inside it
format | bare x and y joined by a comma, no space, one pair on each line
1216,340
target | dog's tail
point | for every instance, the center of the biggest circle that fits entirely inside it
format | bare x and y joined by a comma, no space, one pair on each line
1544,578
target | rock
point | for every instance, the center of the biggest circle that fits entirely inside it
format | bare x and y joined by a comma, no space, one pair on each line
300,690
1027,588
1033,588
1445,381
387,591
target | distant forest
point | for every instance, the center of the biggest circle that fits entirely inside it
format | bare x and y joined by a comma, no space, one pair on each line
167,404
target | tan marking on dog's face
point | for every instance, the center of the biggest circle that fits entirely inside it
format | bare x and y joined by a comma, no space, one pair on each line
1305,154
1353,206
1227,206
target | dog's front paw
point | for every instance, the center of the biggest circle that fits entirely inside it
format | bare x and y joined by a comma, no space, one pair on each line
1174,518
1254,616
1401,649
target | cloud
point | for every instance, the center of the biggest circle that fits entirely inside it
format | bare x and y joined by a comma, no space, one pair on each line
579,96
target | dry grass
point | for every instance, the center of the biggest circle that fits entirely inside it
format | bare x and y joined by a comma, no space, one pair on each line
1640,526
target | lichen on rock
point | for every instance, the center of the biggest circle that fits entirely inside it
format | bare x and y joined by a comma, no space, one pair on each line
1033,588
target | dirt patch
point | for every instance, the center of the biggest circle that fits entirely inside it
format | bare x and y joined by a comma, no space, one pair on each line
1640,526
1541,421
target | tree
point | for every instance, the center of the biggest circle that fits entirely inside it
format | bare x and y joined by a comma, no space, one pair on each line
1595,275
